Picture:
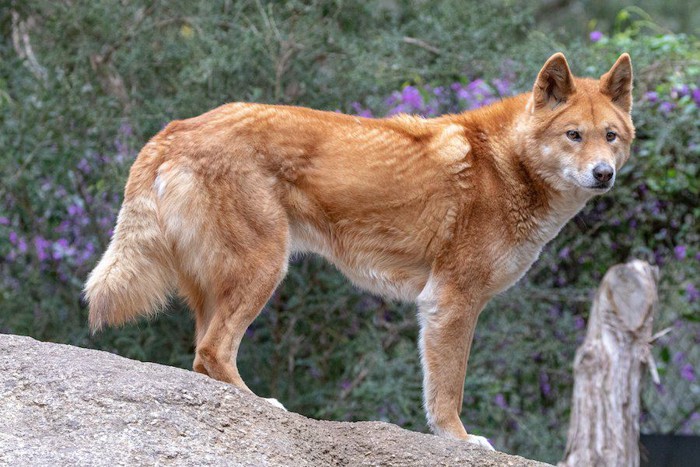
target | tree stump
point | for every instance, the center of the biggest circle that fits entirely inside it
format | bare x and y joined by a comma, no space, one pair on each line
608,367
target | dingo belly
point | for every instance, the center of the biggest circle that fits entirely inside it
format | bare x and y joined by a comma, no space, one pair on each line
370,263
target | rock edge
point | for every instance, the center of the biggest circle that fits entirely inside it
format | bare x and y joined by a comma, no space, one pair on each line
64,405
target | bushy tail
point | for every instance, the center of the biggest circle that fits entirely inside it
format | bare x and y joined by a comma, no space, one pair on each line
135,275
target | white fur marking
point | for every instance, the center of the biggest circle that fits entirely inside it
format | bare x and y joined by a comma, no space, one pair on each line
275,403
480,441
427,300
159,185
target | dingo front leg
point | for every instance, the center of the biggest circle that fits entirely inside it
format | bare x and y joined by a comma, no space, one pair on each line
448,318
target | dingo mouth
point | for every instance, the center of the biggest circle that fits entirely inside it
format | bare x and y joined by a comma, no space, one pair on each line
601,187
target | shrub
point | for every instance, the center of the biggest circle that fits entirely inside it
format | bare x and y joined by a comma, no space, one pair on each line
105,79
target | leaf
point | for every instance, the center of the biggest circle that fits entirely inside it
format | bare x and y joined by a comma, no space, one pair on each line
665,354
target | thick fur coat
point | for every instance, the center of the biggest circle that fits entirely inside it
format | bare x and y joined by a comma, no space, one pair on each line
444,212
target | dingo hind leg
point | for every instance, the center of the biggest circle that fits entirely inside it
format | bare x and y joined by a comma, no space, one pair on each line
246,272
238,297
230,235
200,305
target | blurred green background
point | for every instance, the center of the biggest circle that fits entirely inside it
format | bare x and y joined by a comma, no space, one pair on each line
84,84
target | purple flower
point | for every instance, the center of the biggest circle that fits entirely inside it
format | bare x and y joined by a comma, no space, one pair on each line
13,238
479,87
361,111
121,151
105,221
689,423
595,36
464,94
696,96
545,387
412,97
63,227
651,96
564,253
555,311
393,99
500,401
74,210
125,129
680,91
687,372
579,323
4,221
41,245
692,293
680,252
502,86
666,107
678,358
659,258
431,109
62,249
87,253
84,166
401,109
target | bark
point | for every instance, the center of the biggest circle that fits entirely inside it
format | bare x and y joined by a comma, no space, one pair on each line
608,368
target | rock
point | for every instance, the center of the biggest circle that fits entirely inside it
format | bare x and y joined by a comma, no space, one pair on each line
63,405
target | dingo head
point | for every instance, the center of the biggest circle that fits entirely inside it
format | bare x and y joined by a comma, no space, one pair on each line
580,129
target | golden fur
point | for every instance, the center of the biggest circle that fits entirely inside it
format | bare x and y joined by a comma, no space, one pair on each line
445,212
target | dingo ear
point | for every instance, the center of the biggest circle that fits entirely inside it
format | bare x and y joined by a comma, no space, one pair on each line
617,83
554,84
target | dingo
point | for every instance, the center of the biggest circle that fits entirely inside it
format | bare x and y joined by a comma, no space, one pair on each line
443,212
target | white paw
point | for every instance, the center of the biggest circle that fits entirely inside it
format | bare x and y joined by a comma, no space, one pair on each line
279,405
480,441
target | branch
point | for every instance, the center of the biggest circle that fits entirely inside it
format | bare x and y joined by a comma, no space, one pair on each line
23,47
422,44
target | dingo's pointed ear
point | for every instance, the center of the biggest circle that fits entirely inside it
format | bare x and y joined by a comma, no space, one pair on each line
554,84
617,83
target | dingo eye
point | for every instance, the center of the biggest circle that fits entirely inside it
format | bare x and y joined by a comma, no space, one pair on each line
573,135
611,136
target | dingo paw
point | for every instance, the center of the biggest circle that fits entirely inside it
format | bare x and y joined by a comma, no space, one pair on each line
279,405
480,441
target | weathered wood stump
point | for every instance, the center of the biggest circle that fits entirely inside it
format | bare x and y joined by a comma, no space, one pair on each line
608,368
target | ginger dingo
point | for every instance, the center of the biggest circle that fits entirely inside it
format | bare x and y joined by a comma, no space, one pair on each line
443,212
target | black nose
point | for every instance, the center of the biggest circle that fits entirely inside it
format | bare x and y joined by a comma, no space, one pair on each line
603,172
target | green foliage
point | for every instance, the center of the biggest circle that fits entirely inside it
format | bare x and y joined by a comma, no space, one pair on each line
100,79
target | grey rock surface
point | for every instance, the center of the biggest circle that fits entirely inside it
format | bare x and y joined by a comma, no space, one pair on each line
63,405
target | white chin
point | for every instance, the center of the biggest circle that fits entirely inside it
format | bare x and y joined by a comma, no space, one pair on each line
598,190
